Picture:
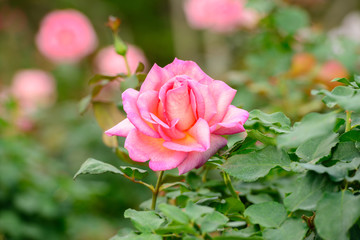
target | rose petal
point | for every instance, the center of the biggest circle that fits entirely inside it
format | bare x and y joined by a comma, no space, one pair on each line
189,68
155,79
224,96
205,102
178,106
148,104
130,97
122,129
197,139
142,148
197,159
232,123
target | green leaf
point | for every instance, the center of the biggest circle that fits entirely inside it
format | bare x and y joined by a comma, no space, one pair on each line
291,229
291,19
268,214
316,148
134,236
260,5
98,78
129,82
353,135
174,213
144,221
176,229
250,167
140,67
277,122
345,97
232,205
346,152
212,221
134,172
84,104
315,123
195,211
255,134
168,178
259,198
337,172
336,214
93,166
120,47
308,192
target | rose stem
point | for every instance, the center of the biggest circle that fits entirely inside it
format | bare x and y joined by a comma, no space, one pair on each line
348,121
156,191
127,66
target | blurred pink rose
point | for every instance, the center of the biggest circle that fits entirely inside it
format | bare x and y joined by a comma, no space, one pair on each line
66,36
108,62
177,117
330,70
220,15
33,88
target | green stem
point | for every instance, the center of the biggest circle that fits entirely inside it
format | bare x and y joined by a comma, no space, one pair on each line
156,191
229,185
348,121
127,66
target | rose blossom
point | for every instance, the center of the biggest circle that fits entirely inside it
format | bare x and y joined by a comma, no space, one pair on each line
220,15
177,117
66,36
330,70
108,62
33,88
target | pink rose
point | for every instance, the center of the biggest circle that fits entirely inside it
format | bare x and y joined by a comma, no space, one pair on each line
177,117
220,15
108,62
33,88
66,36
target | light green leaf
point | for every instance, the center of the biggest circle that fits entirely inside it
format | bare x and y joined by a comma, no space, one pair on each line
336,214
84,104
308,192
315,123
291,19
144,221
316,148
268,214
195,211
346,152
174,213
250,167
129,82
212,221
337,172
176,229
231,205
345,97
291,229
93,166
134,172
277,122
353,135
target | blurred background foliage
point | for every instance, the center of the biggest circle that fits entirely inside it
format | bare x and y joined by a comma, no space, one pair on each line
39,199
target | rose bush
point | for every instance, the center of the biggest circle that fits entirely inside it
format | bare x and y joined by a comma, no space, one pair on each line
177,117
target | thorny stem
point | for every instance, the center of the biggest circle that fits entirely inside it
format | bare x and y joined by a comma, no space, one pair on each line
229,185
127,66
156,191
348,121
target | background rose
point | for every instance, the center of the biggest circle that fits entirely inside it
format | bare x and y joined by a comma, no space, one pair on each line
66,36
177,116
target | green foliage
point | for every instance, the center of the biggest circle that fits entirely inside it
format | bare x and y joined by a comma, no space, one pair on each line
268,214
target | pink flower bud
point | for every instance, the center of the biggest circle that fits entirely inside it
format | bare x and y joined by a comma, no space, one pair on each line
66,36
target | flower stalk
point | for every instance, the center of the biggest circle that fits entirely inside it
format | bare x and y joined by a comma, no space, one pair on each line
156,191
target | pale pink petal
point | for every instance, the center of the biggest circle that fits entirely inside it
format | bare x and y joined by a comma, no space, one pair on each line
130,97
122,129
197,159
224,96
155,79
178,106
197,139
188,68
148,104
142,148
206,104
170,133
232,123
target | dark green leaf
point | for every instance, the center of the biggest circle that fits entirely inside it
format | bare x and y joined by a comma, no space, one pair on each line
255,134
140,67
134,172
353,135
308,192
336,214
174,213
144,221
250,167
268,214
346,152
315,123
291,229
316,148
232,205
212,221
92,166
